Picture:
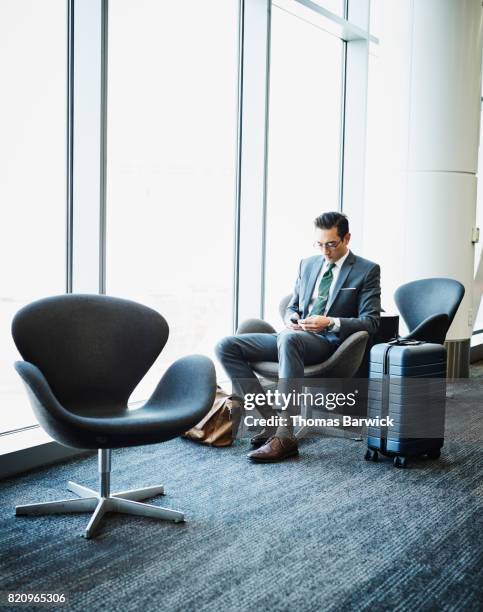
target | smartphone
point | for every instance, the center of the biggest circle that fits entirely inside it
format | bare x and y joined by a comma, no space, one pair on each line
294,320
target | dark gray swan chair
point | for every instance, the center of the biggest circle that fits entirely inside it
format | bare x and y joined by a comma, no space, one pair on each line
344,363
84,355
428,307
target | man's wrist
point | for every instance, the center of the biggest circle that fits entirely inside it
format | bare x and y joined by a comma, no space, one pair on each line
334,324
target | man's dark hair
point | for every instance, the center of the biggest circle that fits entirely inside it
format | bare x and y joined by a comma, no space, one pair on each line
333,219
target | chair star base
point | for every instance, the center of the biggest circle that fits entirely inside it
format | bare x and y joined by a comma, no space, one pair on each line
126,502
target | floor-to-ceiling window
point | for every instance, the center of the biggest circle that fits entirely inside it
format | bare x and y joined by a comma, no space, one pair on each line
304,151
171,156
32,175
172,87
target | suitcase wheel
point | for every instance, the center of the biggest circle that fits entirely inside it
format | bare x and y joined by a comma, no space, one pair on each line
400,462
434,454
371,455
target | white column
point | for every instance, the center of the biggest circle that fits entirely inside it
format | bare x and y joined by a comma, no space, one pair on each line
423,133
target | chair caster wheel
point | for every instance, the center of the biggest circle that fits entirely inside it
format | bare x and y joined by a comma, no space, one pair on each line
434,454
400,462
371,455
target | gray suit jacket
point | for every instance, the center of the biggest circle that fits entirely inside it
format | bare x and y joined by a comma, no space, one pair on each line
355,300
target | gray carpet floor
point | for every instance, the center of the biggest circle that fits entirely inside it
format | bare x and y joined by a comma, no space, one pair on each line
324,531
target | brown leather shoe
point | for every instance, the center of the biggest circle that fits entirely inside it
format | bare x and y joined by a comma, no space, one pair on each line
276,449
259,440
262,438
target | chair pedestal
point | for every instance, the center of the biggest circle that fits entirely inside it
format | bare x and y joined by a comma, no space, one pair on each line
333,432
125,502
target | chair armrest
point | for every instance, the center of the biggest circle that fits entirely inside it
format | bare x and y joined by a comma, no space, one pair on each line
255,326
432,329
189,387
346,360
52,416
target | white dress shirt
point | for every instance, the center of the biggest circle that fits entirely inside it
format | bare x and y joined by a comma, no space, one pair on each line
335,273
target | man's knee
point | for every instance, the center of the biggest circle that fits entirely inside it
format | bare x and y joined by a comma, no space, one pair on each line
225,346
289,338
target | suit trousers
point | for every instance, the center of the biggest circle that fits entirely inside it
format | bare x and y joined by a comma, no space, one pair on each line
291,348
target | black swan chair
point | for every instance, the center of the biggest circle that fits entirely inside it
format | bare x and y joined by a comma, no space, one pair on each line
84,355
428,307
342,364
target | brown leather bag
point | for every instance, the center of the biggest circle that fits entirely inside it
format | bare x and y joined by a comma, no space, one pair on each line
219,426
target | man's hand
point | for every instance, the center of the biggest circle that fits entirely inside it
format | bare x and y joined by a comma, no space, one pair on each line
315,323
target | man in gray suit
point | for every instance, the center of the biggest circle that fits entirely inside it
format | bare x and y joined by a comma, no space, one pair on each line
336,294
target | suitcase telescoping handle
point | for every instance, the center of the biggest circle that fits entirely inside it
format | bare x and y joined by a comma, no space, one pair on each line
385,394
398,341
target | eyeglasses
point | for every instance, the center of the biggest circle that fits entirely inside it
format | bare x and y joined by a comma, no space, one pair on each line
327,245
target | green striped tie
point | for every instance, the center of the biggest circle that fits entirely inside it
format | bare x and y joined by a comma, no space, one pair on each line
321,302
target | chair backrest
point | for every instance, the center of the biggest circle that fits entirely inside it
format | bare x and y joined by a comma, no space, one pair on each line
420,299
284,302
92,349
